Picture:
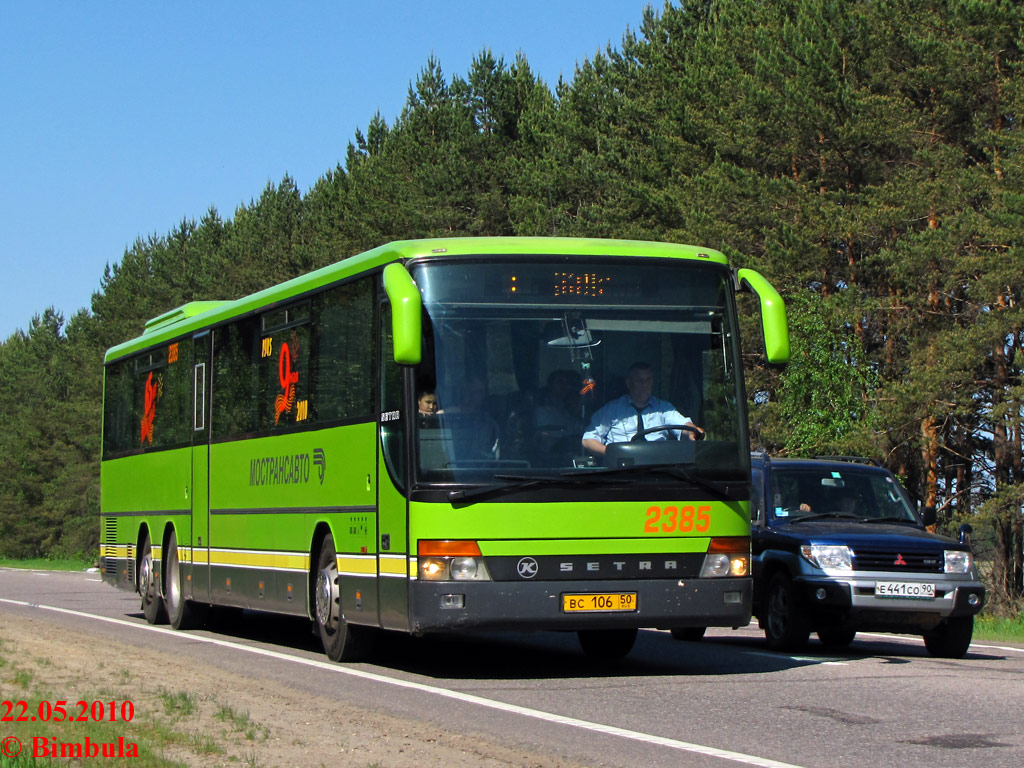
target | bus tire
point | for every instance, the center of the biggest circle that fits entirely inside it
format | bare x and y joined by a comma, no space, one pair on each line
785,627
182,613
688,634
606,644
341,640
152,602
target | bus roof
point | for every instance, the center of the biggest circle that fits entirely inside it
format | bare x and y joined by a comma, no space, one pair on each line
198,315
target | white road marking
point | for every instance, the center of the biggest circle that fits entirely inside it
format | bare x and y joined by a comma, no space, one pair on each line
918,641
682,746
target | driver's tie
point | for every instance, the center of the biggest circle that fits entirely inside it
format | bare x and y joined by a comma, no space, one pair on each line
639,420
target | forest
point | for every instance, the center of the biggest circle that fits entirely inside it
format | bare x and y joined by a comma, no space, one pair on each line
864,155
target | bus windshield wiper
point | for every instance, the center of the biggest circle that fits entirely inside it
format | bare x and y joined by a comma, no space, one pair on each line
672,470
516,483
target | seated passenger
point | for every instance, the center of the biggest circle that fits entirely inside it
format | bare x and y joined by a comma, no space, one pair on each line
426,403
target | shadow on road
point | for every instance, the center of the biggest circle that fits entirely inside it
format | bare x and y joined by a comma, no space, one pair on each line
555,655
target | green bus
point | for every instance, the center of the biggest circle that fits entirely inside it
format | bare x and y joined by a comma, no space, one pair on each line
269,454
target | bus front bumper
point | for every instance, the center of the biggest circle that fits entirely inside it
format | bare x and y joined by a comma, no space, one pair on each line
663,603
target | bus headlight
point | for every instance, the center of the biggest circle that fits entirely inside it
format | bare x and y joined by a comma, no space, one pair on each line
469,569
718,565
727,556
434,569
451,561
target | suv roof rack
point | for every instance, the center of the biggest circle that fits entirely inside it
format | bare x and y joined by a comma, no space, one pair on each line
851,459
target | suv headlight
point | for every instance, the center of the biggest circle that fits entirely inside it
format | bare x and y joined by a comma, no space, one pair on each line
958,561
828,556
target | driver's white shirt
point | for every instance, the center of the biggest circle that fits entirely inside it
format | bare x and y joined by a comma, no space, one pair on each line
616,421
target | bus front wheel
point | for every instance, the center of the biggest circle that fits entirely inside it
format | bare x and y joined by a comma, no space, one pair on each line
341,640
182,613
152,603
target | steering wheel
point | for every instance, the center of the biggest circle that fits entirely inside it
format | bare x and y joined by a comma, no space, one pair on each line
698,434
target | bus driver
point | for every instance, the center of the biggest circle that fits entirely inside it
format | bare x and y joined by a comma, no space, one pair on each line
619,420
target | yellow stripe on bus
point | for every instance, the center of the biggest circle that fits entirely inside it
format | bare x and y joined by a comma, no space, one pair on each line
355,565
286,560
392,565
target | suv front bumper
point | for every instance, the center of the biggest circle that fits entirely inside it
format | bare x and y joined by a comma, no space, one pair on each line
853,602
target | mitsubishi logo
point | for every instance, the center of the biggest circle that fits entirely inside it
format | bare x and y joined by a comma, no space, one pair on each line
527,568
899,560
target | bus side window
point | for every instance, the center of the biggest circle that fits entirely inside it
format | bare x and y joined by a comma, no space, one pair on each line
392,419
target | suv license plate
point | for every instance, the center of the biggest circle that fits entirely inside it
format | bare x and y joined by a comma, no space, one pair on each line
599,603
911,589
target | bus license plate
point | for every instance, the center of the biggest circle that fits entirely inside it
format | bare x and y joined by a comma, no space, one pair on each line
905,589
599,603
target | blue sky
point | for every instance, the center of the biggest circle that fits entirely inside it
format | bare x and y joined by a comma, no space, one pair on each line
121,119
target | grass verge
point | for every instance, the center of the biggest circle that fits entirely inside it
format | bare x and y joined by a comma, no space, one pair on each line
47,564
998,629
118,722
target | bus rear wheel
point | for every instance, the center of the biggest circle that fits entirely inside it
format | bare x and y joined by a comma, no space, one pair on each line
182,613
606,644
688,634
341,640
152,603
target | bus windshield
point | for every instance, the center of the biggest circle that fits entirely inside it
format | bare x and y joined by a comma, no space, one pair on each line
518,358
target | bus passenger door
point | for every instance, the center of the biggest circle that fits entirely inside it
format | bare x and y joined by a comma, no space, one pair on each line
392,516
198,588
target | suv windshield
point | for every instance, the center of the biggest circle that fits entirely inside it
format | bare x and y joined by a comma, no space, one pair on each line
519,356
810,493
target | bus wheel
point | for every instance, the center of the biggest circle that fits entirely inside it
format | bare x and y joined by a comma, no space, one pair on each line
341,640
688,634
182,613
606,643
152,603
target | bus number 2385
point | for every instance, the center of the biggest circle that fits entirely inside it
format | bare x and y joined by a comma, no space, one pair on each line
682,519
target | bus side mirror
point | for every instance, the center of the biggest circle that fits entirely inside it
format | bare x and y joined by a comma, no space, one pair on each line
773,314
406,314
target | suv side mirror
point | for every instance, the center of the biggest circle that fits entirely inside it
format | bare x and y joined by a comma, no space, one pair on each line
965,533
928,515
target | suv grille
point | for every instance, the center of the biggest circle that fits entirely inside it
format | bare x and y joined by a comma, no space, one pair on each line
887,559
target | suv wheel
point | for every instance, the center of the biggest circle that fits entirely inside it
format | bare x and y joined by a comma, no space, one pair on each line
836,637
951,639
785,627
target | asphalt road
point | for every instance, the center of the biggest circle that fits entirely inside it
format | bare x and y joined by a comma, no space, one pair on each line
721,702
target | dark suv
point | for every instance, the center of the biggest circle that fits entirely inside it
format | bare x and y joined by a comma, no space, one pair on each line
838,547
